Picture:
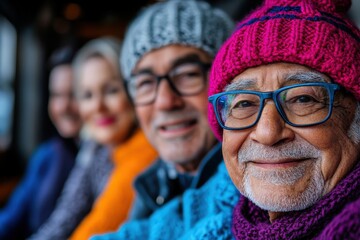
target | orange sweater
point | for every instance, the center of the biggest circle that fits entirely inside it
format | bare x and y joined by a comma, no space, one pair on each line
112,206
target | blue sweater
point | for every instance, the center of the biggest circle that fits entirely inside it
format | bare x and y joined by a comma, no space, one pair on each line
162,182
203,213
34,198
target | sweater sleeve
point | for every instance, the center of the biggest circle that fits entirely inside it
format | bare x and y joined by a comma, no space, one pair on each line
61,161
74,203
112,206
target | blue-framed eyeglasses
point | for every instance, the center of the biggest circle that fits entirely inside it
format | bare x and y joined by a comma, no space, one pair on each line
300,105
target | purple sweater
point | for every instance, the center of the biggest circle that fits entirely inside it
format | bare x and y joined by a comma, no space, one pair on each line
335,216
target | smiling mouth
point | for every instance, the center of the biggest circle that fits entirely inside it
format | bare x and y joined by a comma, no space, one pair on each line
71,117
104,122
279,163
177,130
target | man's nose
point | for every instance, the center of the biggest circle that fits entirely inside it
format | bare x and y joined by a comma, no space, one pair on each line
271,129
166,98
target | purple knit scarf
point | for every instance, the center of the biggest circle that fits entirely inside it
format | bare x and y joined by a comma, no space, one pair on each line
335,216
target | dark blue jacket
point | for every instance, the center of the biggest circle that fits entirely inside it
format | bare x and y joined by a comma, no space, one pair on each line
35,197
161,183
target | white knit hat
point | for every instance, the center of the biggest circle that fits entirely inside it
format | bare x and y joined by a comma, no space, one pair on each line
186,22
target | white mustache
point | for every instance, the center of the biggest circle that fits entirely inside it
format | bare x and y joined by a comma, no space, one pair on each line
298,149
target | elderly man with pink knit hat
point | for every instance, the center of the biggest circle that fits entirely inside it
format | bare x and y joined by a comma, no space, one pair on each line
284,93
284,101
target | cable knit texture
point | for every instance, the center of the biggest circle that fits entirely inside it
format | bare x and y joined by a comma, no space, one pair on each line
203,213
112,206
335,216
313,33
185,22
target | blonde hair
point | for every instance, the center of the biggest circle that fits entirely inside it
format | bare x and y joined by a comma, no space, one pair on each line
106,47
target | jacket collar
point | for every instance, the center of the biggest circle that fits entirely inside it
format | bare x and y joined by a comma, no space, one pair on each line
160,183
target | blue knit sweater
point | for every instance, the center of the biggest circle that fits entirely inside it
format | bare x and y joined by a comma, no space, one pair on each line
203,213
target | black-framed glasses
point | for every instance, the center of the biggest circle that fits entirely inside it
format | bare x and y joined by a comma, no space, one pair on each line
299,105
185,80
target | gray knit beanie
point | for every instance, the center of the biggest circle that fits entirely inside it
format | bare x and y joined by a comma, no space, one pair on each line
186,22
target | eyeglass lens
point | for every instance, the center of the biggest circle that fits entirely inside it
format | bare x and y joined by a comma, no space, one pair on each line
186,79
301,105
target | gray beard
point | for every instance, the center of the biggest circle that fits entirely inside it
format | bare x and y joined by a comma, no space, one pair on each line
305,199
283,177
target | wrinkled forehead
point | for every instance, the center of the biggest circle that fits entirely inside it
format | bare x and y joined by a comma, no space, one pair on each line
273,76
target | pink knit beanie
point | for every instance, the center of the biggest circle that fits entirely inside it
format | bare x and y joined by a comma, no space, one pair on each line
313,33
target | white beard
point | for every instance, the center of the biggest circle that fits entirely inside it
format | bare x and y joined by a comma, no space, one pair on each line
277,201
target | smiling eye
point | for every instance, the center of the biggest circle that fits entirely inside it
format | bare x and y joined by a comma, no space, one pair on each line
243,104
302,99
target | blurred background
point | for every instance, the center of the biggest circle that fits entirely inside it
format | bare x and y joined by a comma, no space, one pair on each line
29,32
